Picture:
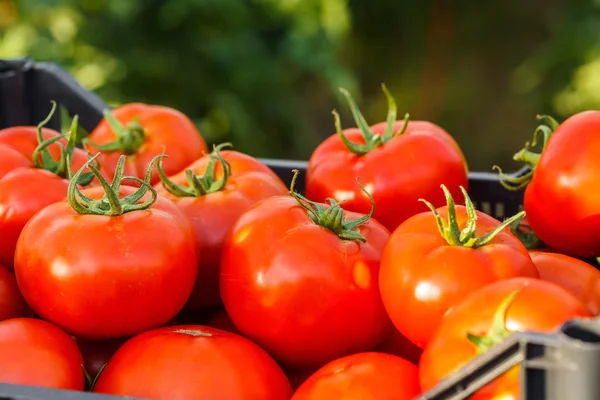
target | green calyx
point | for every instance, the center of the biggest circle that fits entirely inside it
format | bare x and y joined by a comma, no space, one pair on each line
526,235
129,138
528,156
498,331
466,237
111,204
200,185
372,140
332,217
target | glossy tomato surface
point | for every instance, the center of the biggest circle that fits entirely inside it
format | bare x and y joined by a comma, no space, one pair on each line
562,200
24,140
538,306
297,289
193,362
422,276
11,159
37,353
165,130
578,277
409,167
12,304
117,276
362,376
213,214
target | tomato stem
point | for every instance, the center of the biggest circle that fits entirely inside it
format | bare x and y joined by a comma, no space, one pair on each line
467,237
498,331
111,204
331,216
200,185
526,235
372,140
129,138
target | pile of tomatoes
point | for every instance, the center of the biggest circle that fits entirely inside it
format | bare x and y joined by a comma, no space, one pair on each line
138,262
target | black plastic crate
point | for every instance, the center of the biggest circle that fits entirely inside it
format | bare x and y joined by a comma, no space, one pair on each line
558,366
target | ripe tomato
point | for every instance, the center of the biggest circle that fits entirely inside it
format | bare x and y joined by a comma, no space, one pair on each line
429,264
486,317
12,304
141,132
128,266
560,201
577,277
399,162
213,202
24,139
11,159
36,353
362,376
193,362
96,353
301,280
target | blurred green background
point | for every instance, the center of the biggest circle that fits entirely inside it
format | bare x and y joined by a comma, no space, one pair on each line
265,73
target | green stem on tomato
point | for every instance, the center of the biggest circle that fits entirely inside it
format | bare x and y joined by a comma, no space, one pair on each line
129,138
467,237
526,235
372,140
331,216
111,204
199,185
498,331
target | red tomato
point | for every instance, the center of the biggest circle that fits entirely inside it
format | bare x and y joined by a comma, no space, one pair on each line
215,208
11,159
12,304
398,345
577,277
297,288
561,200
519,304
397,170
362,376
36,353
142,132
429,265
96,353
24,140
117,274
193,362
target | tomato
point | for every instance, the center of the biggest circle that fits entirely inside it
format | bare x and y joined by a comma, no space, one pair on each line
300,280
362,376
522,230
141,132
429,264
213,202
12,304
121,266
36,353
193,362
577,277
487,316
398,162
96,353
24,139
398,345
560,196
11,159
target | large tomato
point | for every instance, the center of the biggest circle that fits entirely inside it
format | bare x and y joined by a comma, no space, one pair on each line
193,362
578,277
141,132
11,159
300,279
398,162
36,353
560,201
362,376
12,304
230,183
429,264
120,265
486,317
25,140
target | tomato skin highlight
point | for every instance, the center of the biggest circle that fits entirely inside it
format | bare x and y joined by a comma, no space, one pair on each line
578,277
409,167
209,364
562,200
297,289
12,304
422,276
166,129
538,306
362,376
213,214
37,353
145,262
